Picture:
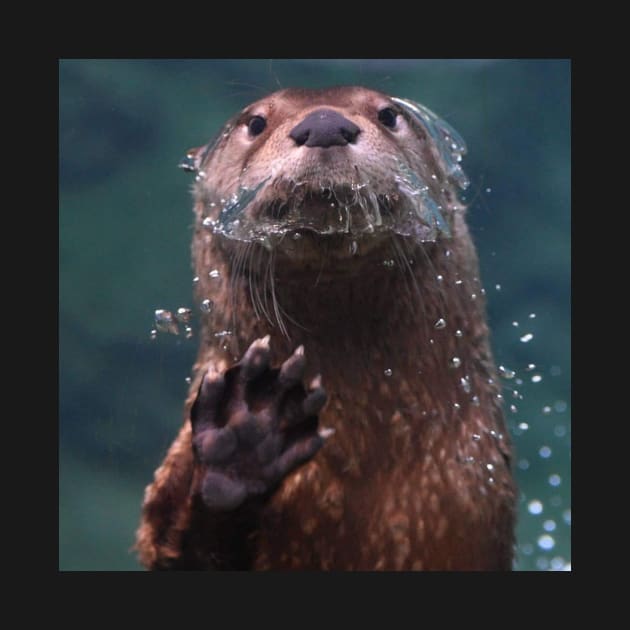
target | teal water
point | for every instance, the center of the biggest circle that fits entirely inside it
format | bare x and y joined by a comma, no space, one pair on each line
124,234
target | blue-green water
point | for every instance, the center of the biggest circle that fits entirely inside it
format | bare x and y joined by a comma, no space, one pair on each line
124,236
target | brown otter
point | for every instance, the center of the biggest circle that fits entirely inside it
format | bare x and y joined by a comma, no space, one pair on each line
329,221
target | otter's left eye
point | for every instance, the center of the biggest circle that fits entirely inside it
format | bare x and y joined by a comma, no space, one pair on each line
256,125
387,116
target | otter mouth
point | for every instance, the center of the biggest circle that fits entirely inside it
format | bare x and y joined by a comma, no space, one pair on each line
272,209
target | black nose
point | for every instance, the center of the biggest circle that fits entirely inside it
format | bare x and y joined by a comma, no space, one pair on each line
324,128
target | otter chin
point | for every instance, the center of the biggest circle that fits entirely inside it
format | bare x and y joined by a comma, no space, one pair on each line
345,408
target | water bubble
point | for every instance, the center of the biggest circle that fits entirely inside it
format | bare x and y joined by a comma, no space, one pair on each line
542,563
165,321
532,316
546,410
473,296
488,190
513,408
517,394
544,452
559,430
456,406
557,563
441,323
206,305
527,337
388,372
153,334
535,507
555,480
549,525
476,437
439,277
497,287
560,406
456,362
183,314
536,378
546,542
195,279
506,372
188,380
459,333
458,282
515,324
523,426
523,464
566,516
490,467
214,273
530,367
188,331
499,396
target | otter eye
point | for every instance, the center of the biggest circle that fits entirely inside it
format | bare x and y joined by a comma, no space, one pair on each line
387,116
256,125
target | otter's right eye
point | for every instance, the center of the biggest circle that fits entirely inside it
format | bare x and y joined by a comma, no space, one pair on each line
256,125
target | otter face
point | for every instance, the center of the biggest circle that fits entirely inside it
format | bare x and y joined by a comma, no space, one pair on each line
348,164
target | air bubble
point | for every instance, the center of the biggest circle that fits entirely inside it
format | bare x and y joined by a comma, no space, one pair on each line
546,410
165,322
513,408
560,406
476,437
207,222
465,383
536,378
535,507
206,305
542,563
523,426
544,452
456,406
388,372
214,273
458,282
515,324
490,467
560,430
354,248
459,333
488,190
555,480
188,380
549,525
546,542
473,296
475,401
497,287
296,236
530,367
183,315
153,334
188,333
439,278
557,564
456,362
523,464
532,316
441,323
527,338
506,372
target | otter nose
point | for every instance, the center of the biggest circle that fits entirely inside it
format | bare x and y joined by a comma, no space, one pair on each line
324,128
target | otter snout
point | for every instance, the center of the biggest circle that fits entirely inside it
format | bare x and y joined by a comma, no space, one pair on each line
324,128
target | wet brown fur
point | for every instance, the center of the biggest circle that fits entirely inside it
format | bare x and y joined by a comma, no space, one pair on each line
417,474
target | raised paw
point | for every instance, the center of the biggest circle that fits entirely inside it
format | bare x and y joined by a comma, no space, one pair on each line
253,425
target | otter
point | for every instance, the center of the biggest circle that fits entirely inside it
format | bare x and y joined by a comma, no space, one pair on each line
345,410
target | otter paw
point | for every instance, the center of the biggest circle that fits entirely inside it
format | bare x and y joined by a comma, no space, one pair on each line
253,425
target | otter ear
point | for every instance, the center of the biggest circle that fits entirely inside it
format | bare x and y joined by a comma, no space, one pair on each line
449,145
191,162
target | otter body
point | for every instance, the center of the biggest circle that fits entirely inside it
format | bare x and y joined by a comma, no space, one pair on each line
329,221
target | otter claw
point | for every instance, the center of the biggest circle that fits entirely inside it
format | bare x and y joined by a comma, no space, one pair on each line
292,370
256,359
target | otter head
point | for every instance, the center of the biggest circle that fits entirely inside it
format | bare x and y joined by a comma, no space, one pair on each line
345,167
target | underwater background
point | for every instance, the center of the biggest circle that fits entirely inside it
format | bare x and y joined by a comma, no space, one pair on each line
125,217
